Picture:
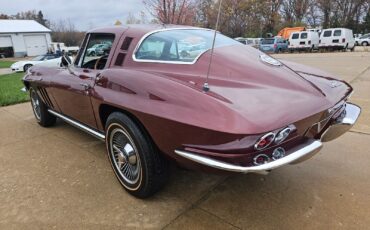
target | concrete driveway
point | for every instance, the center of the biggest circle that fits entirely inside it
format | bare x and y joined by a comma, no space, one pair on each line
5,71
61,178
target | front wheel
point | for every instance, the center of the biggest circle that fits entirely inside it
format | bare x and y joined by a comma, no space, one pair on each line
40,110
26,67
135,160
365,44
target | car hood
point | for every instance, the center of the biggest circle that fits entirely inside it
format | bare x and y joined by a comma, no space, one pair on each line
265,95
22,63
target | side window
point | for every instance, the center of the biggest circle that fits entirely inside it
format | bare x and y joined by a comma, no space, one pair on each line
174,51
304,35
151,49
179,45
97,51
327,33
49,57
295,36
337,33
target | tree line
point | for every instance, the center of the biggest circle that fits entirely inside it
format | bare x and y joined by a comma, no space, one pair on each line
252,18
239,18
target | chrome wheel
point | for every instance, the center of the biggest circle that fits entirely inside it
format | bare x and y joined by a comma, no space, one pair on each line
35,104
125,156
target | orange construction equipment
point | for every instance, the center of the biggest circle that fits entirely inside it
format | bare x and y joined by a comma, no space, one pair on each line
285,33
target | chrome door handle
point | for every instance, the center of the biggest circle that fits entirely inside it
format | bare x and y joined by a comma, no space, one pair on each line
86,86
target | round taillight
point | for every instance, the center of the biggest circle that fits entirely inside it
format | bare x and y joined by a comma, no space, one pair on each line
278,153
282,135
261,159
264,141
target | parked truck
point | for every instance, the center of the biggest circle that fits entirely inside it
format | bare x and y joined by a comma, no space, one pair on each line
287,31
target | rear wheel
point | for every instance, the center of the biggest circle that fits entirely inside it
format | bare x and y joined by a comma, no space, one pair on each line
135,160
40,110
364,43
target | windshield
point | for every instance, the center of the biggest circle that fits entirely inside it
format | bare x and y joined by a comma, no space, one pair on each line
268,41
180,45
39,58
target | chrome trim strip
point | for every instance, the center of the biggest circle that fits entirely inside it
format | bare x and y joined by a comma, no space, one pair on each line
79,125
298,154
163,61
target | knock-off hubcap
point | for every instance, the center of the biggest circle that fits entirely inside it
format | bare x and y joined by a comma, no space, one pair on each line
125,156
35,104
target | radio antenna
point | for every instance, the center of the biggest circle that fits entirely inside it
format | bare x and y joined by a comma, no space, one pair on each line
206,85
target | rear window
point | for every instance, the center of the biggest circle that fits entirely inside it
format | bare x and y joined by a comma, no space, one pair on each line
304,35
295,36
180,45
337,33
268,41
327,33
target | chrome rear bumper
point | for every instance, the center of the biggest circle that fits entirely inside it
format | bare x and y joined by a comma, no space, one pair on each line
343,123
296,155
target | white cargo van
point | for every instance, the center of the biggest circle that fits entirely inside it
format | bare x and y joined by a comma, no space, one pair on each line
304,40
337,38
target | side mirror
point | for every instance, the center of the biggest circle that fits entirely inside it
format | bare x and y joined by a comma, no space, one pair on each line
66,61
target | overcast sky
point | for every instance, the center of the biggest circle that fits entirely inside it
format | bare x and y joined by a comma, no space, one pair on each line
85,14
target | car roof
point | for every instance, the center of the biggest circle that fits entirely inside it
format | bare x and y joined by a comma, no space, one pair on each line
138,29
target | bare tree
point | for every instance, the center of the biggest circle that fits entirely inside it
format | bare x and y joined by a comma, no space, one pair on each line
65,31
172,11
313,16
4,16
325,7
294,11
133,19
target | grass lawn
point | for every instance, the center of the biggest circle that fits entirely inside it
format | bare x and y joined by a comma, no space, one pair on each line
5,64
10,89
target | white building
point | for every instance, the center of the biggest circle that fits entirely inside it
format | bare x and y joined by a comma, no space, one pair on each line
24,38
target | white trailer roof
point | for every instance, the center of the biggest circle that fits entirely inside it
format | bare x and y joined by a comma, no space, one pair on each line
21,26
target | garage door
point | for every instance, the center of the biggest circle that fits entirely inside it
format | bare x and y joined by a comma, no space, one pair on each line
35,45
5,41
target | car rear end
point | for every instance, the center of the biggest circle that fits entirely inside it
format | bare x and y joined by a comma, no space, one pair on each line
268,45
291,144
300,41
336,39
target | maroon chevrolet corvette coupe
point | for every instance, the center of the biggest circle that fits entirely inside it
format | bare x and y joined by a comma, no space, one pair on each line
145,96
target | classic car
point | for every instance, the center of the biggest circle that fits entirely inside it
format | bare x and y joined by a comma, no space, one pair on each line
250,113
46,60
